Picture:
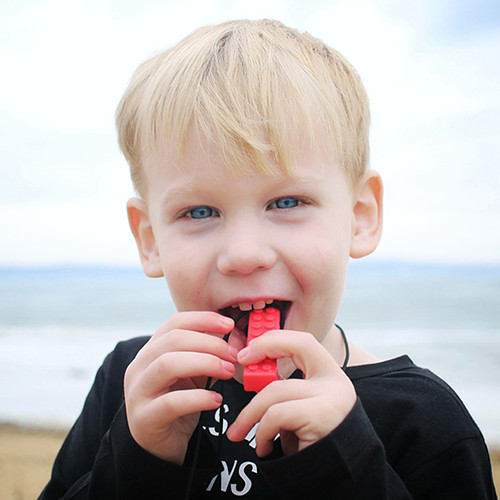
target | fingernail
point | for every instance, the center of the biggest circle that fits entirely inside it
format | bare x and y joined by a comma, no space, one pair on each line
233,352
218,398
231,431
229,367
243,353
227,321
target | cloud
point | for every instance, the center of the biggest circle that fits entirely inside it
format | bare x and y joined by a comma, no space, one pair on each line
431,70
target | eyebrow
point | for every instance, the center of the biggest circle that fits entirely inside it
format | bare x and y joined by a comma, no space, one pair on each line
189,188
176,193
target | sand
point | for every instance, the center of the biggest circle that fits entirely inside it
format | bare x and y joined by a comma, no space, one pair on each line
26,457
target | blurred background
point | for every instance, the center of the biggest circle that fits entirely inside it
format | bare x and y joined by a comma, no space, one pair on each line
70,280
431,69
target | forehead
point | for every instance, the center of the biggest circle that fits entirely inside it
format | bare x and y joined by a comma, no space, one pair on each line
202,170
203,156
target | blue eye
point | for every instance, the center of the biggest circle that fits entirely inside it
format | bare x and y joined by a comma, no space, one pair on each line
202,212
284,203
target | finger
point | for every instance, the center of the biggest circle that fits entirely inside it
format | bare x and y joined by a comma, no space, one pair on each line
293,416
169,368
186,340
273,394
200,321
305,351
151,424
176,404
334,398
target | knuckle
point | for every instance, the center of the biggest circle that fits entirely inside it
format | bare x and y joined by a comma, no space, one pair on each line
163,364
176,317
128,375
306,337
131,377
273,414
159,368
168,404
170,324
173,339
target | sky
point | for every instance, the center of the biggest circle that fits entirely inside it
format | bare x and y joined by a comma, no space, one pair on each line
432,73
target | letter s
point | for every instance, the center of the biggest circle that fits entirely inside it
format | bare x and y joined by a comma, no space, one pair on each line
247,482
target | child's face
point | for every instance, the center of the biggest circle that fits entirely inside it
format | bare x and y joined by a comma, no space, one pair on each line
226,243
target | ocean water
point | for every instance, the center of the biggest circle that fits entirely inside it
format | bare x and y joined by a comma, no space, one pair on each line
57,325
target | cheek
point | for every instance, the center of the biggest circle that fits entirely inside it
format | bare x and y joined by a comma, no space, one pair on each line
184,273
326,285
321,269
322,256
325,271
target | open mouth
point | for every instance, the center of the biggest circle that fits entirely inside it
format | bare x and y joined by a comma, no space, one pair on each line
240,313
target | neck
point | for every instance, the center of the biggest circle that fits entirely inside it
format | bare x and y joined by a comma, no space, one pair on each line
335,345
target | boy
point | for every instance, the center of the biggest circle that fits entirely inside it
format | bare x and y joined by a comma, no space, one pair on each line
248,147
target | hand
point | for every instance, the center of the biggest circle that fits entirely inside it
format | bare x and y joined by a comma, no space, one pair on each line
301,411
165,383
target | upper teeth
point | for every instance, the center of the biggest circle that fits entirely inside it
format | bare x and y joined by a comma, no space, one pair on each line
247,306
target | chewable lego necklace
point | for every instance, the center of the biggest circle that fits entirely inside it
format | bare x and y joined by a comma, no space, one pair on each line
277,320
280,324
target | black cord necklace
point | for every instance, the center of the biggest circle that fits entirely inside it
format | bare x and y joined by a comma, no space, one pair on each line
346,346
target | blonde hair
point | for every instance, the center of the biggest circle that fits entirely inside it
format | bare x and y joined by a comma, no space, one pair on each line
257,89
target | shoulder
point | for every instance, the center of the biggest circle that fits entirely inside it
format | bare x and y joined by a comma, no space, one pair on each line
123,353
109,379
400,381
126,350
411,405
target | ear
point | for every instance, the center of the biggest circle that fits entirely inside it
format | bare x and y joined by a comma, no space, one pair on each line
142,230
367,215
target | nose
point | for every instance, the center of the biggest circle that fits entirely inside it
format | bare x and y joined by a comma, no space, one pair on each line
245,250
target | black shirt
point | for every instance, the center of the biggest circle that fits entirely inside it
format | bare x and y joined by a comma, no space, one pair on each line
408,436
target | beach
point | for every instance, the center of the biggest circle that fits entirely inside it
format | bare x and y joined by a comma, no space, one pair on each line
26,457
58,324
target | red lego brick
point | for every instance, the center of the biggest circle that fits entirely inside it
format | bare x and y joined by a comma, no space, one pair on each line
257,376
